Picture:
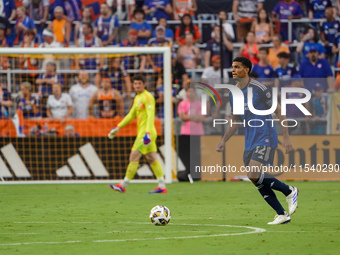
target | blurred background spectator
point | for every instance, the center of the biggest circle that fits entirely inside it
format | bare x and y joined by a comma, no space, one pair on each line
61,27
275,50
181,7
86,18
70,132
189,54
81,94
155,9
245,12
106,26
262,27
28,103
169,34
185,27
110,102
142,27
59,105
249,49
23,23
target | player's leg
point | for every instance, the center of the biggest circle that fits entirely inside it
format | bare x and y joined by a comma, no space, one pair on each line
131,170
267,193
265,155
158,171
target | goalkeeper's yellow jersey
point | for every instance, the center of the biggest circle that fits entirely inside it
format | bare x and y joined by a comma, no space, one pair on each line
144,109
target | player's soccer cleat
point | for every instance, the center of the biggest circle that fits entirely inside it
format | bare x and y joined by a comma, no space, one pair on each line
113,132
280,219
117,187
158,190
292,200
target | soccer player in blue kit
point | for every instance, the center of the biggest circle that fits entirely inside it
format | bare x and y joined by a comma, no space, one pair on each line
260,142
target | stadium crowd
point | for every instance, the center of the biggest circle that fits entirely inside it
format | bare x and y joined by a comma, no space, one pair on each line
102,88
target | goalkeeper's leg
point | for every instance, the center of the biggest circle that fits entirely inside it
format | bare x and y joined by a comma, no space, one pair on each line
130,172
158,171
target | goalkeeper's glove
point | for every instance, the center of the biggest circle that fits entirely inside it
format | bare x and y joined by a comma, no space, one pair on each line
147,139
113,132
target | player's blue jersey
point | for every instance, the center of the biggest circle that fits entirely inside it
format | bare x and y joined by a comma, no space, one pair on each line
266,134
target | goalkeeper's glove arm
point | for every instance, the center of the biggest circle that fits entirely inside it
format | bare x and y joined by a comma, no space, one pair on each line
113,132
147,139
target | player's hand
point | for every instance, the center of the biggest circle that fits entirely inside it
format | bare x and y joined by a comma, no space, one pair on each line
113,132
287,145
220,146
147,139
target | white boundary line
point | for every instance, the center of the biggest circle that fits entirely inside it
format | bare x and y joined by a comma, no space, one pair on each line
74,182
254,230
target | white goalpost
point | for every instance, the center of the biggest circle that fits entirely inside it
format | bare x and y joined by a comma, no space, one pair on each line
5,143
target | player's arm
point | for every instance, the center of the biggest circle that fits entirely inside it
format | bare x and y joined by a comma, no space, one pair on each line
228,134
286,143
149,104
129,117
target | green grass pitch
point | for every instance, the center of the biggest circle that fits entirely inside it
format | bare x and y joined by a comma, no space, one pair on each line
206,218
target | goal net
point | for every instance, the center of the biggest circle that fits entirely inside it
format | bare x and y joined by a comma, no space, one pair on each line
59,104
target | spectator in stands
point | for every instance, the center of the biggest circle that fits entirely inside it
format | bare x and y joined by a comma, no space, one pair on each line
169,34
189,110
27,103
81,94
156,60
38,10
319,70
181,7
133,62
328,30
186,27
47,79
245,12
70,132
8,10
264,69
277,48
110,102
120,79
28,62
318,107
213,48
4,63
179,77
213,73
284,71
250,50
189,54
155,9
106,26
23,23
78,28
5,101
7,28
73,10
308,41
59,105
124,9
89,40
262,27
53,5
61,27
228,28
49,42
286,10
142,27
336,49
316,8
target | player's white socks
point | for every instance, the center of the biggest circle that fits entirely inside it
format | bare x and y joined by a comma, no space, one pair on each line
125,182
161,182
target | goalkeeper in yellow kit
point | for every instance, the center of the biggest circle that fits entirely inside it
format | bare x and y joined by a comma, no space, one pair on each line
145,144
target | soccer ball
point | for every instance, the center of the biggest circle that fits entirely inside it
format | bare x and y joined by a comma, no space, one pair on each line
160,215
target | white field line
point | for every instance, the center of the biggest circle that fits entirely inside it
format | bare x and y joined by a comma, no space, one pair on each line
254,230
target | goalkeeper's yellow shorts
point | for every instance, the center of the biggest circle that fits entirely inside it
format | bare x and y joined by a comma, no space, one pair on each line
139,145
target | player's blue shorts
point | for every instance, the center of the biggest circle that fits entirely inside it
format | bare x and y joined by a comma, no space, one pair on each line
263,154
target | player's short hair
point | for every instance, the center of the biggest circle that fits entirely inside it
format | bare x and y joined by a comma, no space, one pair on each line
264,49
138,77
245,62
